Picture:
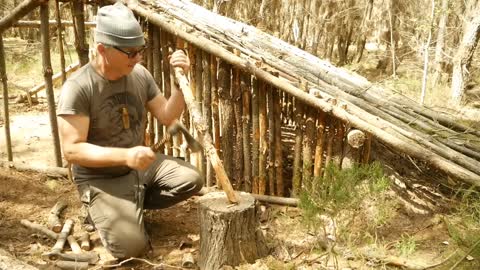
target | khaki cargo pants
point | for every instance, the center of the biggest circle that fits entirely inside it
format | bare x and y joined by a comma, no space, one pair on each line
116,205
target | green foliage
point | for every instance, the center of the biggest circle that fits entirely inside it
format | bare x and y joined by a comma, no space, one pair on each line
406,246
469,207
340,190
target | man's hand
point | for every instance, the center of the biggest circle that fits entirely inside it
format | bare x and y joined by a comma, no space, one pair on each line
179,59
140,157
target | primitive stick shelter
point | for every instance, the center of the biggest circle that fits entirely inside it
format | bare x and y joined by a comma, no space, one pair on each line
254,89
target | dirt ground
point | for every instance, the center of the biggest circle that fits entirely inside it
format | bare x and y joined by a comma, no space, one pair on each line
175,231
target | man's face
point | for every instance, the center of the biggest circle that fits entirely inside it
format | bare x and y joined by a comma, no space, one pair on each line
122,60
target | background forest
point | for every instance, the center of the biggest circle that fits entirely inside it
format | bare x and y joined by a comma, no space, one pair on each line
433,42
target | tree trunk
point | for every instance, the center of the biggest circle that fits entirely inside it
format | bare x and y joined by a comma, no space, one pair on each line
442,26
229,235
464,55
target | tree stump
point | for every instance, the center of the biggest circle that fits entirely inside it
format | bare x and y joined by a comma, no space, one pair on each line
229,233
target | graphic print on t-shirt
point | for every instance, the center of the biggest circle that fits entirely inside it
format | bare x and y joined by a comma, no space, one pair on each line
109,125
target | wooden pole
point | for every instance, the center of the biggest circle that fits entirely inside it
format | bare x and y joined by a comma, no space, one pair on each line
297,151
157,75
60,41
255,135
202,130
271,143
18,12
308,139
262,147
215,112
36,24
167,83
319,146
207,105
245,87
278,143
237,113
47,73
150,130
6,117
227,116
79,30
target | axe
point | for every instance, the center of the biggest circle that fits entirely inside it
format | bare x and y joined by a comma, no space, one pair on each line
173,130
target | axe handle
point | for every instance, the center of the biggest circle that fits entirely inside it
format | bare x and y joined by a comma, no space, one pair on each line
201,127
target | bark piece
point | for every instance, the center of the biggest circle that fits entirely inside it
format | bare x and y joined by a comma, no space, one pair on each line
229,234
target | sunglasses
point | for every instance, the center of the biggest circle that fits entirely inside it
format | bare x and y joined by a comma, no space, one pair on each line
131,54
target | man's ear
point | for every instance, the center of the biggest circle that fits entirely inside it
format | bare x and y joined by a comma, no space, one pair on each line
101,49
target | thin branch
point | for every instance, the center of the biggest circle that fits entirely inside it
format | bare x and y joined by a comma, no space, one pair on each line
155,265
466,254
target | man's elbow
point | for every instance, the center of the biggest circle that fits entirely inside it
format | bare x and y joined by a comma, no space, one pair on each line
69,153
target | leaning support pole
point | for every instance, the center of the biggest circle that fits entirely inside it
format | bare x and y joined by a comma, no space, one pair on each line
6,117
202,129
18,12
47,73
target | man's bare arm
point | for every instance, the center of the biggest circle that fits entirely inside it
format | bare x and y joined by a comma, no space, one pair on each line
73,130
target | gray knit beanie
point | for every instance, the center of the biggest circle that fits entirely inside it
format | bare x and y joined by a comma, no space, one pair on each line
116,26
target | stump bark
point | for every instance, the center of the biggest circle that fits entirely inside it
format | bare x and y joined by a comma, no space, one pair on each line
229,234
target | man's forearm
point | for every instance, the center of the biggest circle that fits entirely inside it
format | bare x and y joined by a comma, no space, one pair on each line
90,155
175,105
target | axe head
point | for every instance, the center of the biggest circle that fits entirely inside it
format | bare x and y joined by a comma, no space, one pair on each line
192,143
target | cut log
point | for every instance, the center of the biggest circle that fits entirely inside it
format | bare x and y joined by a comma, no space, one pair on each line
355,139
71,265
39,228
229,234
7,261
74,244
62,238
88,257
54,217
85,241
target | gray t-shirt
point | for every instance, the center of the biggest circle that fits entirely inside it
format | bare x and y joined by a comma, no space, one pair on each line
88,93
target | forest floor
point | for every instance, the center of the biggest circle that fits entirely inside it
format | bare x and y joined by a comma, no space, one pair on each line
416,223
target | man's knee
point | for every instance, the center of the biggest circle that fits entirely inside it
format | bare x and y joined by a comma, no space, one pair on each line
195,181
125,243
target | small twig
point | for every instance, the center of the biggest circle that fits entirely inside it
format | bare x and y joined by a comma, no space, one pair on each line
159,265
466,254
442,262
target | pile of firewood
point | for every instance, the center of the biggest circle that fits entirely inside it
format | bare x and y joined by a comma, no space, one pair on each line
80,255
